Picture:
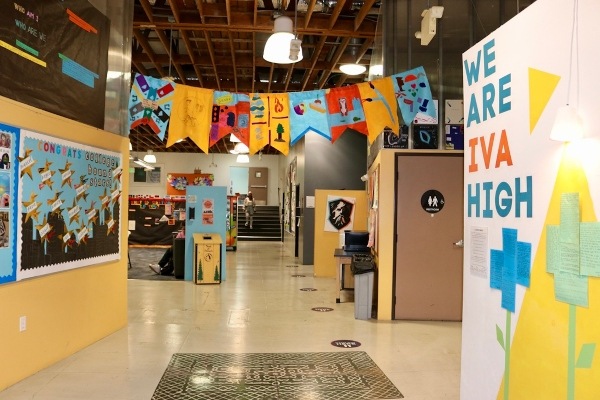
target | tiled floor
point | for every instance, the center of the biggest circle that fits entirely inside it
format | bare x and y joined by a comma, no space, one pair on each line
260,308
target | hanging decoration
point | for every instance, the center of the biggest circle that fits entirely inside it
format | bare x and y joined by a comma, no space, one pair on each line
308,114
279,122
150,103
379,103
230,114
259,129
345,111
413,94
191,115
280,119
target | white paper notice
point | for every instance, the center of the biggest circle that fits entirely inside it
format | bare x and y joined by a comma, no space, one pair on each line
479,252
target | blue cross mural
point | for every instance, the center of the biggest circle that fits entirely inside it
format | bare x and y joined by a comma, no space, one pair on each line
510,267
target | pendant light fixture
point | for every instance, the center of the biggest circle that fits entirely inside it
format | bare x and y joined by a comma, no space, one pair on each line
353,69
243,158
283,46
150,157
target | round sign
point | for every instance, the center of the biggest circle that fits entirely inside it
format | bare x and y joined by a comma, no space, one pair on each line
322,309
432,201
345,343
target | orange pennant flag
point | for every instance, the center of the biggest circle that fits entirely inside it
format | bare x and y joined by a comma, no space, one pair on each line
259,122
379,103
191,115
279,122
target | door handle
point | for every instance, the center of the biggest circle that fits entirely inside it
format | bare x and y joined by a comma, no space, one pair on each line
258,186
460,243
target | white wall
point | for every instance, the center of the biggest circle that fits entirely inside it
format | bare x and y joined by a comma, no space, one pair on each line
187,162
535,333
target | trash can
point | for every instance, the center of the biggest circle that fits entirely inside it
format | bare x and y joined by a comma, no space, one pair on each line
179,257
207,258
363,269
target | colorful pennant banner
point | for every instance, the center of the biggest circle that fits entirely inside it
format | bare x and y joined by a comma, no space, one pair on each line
278,119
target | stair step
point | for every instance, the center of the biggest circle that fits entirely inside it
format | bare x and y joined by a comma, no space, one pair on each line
266,224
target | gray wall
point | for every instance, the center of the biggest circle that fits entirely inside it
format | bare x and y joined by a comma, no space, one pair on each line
328,166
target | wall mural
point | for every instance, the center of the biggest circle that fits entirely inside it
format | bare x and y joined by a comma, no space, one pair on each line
54,57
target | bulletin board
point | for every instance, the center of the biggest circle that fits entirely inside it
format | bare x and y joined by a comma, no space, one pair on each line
177,182
69,201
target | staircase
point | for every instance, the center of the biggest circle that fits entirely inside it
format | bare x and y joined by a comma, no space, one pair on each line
266,225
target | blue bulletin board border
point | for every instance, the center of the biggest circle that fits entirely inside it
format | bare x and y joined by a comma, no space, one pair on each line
11,249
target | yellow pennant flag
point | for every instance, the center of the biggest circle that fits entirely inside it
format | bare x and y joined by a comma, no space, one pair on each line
379,103
279,122
191,115
259,122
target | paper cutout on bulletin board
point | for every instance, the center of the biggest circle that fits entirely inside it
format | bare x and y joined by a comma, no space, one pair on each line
425,137
178,182
454,112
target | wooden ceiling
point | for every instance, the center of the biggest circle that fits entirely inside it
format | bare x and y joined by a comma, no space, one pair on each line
218,44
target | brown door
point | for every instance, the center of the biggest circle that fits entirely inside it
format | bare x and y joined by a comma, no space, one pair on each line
258,180
429,226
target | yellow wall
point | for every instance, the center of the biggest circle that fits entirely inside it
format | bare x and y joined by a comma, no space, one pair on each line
325,264
385,232
69,310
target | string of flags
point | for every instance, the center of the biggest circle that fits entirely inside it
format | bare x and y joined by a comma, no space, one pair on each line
279,119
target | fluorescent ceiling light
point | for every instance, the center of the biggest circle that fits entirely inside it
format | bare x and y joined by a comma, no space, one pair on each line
150,158
353,69
282,47
142,163
243,158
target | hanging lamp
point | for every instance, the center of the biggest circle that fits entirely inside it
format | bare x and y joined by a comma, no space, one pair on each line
283,46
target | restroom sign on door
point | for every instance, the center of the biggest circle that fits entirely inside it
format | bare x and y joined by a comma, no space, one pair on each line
432,201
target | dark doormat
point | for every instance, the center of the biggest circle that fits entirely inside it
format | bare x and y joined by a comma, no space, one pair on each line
348,375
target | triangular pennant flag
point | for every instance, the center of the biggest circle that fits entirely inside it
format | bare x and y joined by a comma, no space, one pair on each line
541,87
223,115
191,115
308,113
150,102
279,122
259,122
379,103
230,115
345,111
242,130
413,94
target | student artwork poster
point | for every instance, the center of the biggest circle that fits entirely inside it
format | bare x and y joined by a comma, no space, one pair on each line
70,205
8,138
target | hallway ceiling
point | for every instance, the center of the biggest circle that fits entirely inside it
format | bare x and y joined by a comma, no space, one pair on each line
218,44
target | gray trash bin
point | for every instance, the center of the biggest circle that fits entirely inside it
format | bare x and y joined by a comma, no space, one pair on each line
363,268
179,257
